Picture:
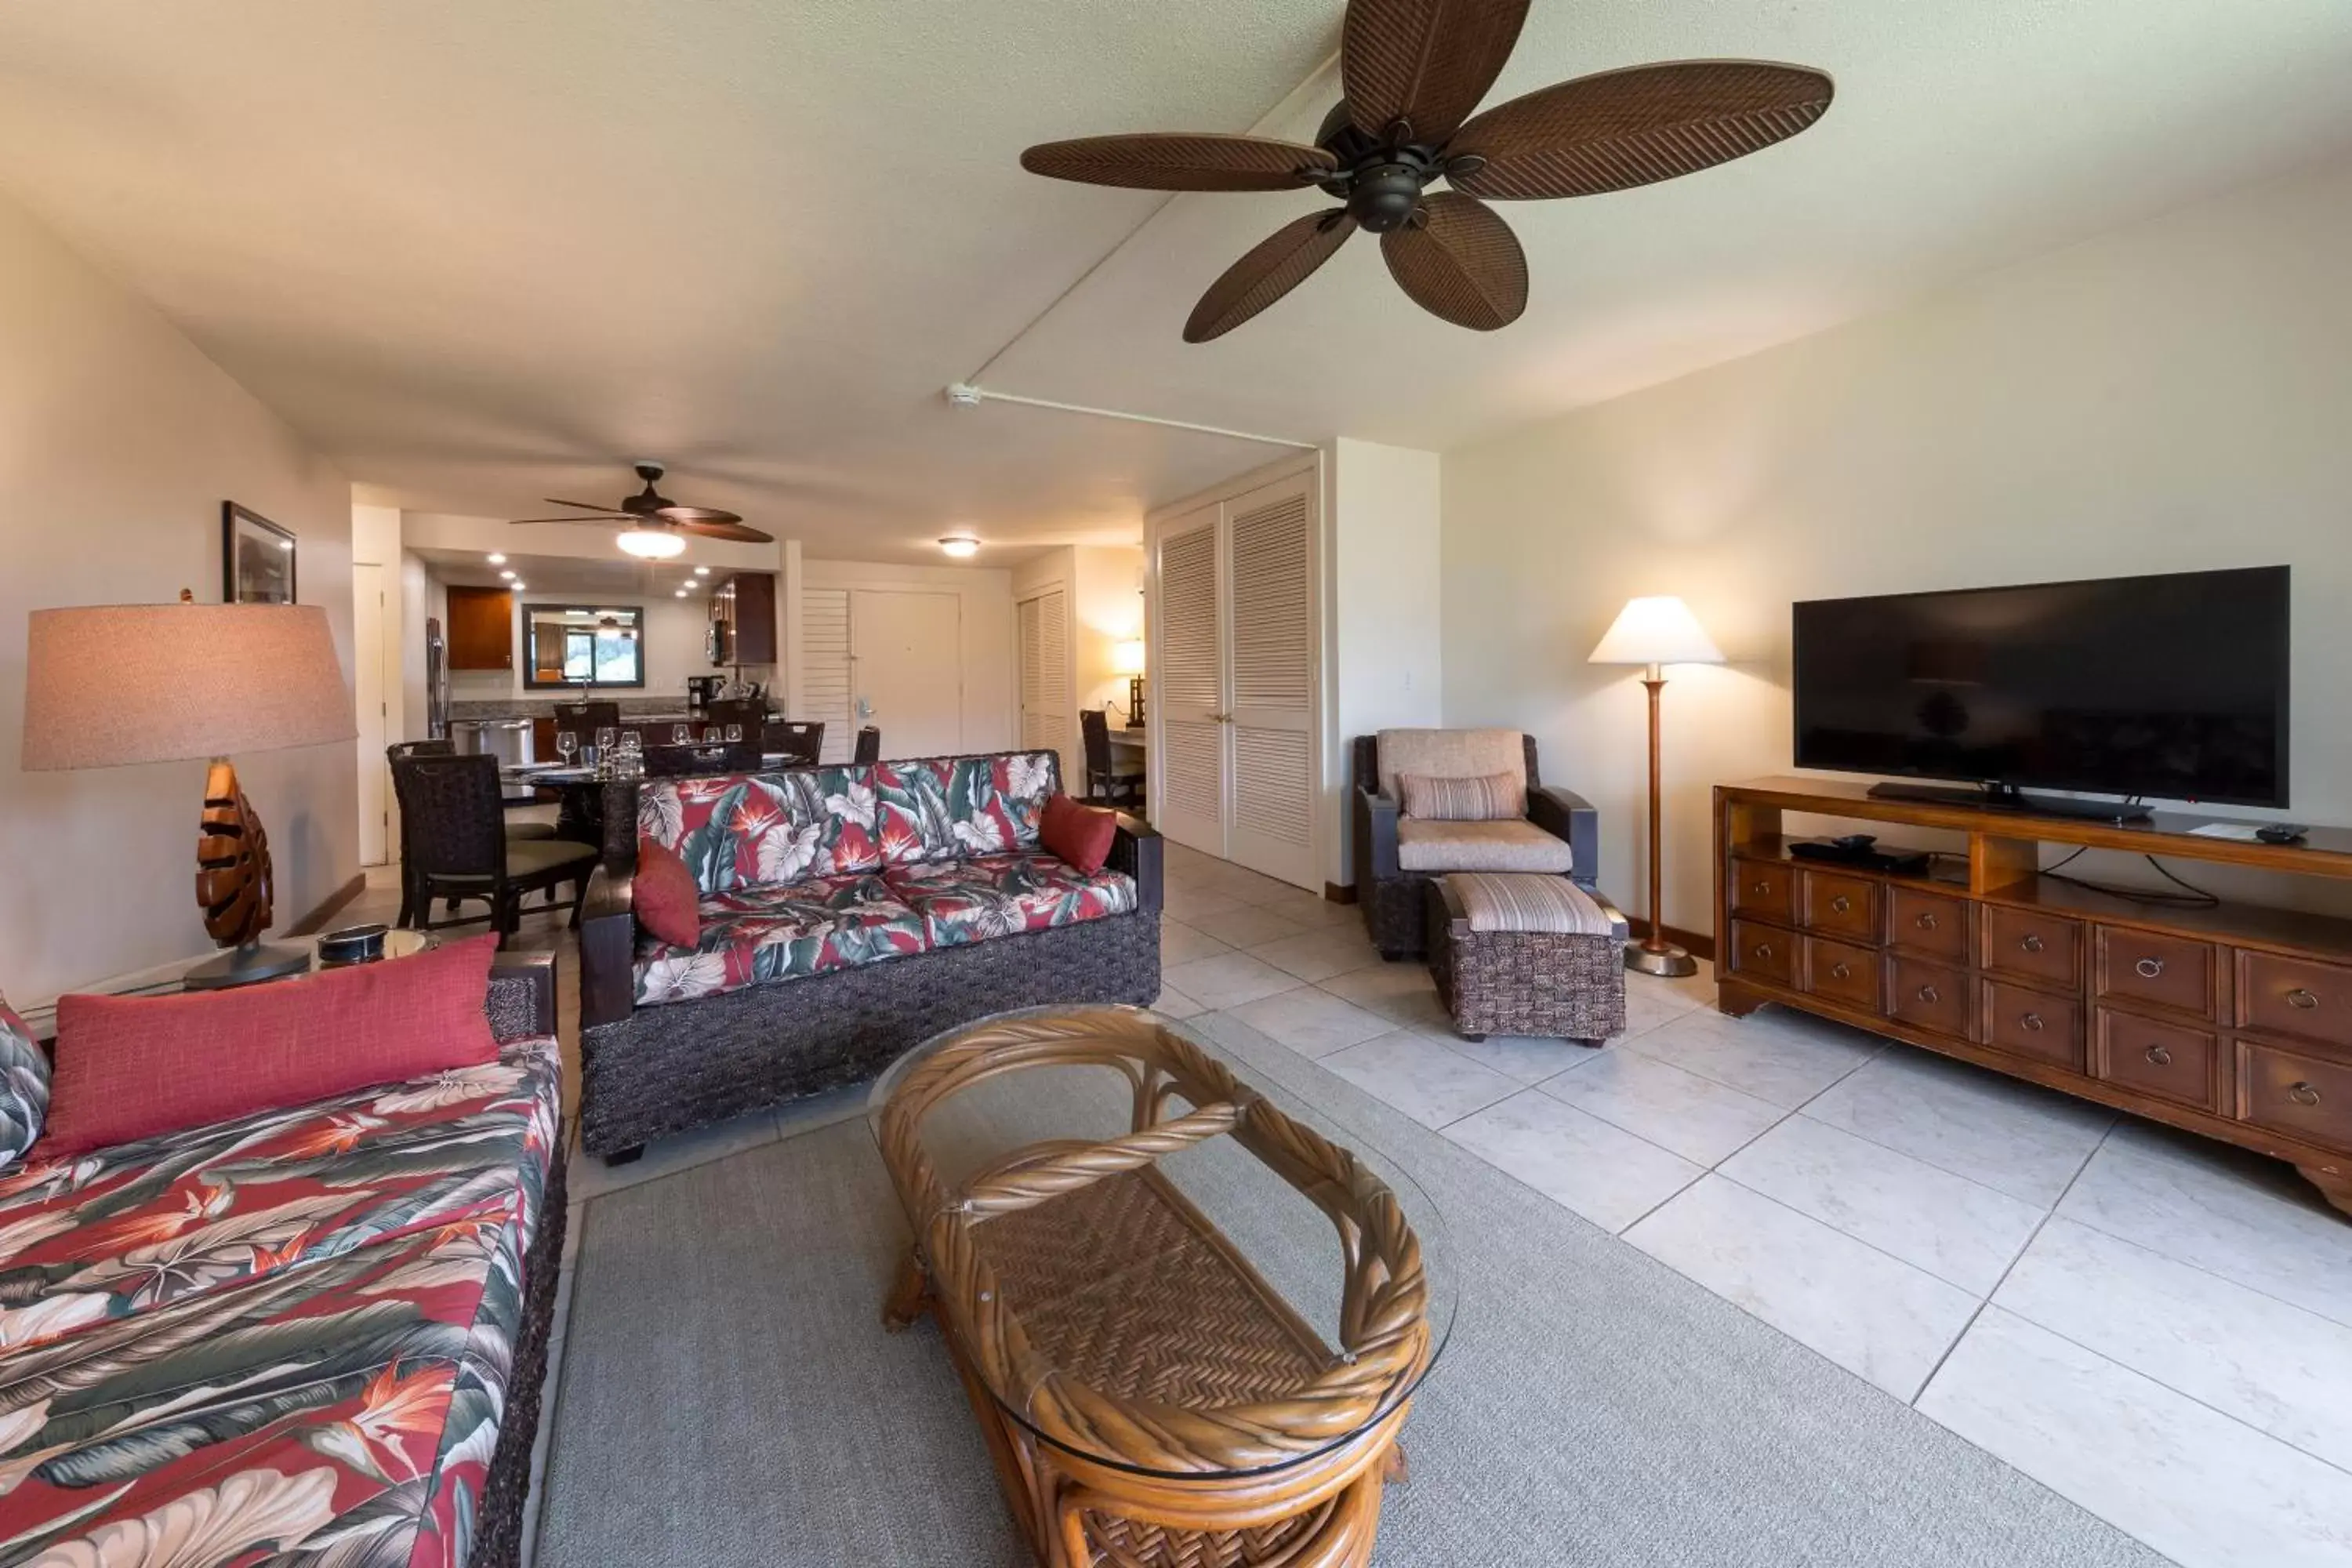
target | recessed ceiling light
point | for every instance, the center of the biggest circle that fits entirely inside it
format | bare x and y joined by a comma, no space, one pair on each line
682,593
496,559
961,546
518,587
703,571
509,575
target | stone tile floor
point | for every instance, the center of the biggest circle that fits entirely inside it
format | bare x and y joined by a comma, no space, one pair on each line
2155,1326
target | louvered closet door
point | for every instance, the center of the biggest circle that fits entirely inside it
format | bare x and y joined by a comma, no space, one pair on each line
1045,699
1188,753
824,661
1271,704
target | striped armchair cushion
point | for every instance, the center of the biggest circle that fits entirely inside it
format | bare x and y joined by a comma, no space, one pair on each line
1513,902
1488,798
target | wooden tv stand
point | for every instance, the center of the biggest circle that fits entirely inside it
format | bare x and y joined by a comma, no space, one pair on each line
2234,1022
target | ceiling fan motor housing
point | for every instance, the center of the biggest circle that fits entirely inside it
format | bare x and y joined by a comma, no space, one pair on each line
1380,182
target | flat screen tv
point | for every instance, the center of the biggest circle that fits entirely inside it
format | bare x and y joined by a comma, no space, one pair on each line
2172,686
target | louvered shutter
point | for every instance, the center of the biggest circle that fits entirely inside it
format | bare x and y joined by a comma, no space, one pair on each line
1188,687
1045,678
824,661
1272,639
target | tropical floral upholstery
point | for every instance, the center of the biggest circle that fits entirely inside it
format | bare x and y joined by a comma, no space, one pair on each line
945,809
753,935
24,1086
1002,895
748,830
283,1339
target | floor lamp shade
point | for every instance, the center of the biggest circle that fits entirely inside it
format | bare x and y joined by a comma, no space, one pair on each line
1655,632
110,685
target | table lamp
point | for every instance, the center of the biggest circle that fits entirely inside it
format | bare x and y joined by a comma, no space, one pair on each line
110,685
1126,658
1656,632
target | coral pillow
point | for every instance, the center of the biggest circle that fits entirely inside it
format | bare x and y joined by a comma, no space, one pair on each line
664,896
1082,834
129,1068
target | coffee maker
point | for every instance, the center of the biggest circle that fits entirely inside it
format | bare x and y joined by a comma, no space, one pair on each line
703,690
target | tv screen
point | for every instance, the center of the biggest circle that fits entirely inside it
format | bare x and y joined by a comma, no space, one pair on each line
2172,686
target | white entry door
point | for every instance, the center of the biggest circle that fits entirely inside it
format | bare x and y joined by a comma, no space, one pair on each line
368,701
1187,686
907,670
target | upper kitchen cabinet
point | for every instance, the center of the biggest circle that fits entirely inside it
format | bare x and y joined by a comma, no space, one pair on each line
481,628
744,620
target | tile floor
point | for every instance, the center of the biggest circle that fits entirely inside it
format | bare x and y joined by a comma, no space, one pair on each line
2158,1328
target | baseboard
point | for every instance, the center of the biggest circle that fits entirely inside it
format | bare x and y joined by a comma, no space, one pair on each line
315,921
1698,945
1333,893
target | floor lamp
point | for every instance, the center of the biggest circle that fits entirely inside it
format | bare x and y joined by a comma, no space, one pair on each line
1656,632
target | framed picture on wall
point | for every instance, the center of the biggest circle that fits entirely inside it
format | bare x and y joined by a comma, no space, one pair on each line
257,559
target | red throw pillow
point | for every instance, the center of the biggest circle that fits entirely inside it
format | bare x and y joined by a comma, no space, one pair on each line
1082,834
664,896
129,1068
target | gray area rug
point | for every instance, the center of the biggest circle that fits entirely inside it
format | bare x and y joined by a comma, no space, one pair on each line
729,1396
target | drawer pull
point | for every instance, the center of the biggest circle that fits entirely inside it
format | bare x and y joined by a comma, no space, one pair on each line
1761,889
1927,921
1840,972
2148,968
1762,950
1841,904
2299,997
1930,994
2159,1057
2303,1094
2030,943
2032,1021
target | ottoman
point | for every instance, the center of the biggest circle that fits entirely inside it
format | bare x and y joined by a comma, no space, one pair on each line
1520,954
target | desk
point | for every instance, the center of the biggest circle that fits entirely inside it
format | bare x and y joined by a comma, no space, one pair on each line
1126,745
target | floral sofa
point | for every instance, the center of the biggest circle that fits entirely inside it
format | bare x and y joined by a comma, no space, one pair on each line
312,1337
847,913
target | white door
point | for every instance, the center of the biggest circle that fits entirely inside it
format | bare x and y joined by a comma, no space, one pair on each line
1045,682
368,700
1188,753
1270,691
824,665
907,669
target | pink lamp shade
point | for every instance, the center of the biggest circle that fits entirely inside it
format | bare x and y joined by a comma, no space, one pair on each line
110,684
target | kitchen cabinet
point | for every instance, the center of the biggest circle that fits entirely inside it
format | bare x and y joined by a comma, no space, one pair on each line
744,620
481,628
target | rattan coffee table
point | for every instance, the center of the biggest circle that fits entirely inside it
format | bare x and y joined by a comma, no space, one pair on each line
1190,1325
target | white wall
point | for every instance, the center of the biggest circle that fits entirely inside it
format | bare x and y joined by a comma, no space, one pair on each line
1385,657
991,716
120,442
2170,397
1102,586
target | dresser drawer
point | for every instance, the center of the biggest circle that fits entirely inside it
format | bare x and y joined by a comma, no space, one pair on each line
1929,924
1762,888
1838,972
1764,953
2299,1095
2031,945
2295,996
2171,972
2173,1061
2029,1022
1929,996
1837,905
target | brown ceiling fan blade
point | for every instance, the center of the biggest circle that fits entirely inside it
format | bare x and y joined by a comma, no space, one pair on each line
1634,127
671,513
734,531
1425,62
1461,262
1182,161
1272,267
601,518
597,508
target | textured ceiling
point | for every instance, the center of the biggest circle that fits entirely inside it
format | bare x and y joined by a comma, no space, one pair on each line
487,254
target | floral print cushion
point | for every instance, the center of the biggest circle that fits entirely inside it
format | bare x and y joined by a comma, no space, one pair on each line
745,830
24,1086
1001,895
280,1339
944,808
751,936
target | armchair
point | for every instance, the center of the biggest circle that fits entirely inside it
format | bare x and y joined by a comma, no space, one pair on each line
1396,859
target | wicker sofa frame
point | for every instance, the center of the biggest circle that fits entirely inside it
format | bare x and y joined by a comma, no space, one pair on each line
651,1072
1395,901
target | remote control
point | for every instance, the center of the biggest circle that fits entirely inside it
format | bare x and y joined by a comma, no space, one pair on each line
2281,832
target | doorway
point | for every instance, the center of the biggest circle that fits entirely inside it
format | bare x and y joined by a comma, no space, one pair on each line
907,669
372,712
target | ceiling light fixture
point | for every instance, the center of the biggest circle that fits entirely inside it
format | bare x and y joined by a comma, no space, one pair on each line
509,575
961,546
518,587
653,543
496,559
703,571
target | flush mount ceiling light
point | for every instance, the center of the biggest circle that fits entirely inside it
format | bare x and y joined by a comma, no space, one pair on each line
961,546
651,543
496,559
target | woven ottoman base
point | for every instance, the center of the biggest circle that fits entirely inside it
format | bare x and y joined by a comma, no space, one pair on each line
1559,983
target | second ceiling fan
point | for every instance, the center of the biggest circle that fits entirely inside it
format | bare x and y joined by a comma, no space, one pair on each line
1412,71
655,527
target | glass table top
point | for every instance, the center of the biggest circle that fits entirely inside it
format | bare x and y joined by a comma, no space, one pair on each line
1150,1259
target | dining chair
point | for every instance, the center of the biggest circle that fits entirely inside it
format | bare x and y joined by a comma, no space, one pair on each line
399,751
800,741
869,745
584,719
1105,782
456,845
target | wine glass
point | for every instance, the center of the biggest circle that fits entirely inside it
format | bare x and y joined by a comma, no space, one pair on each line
734,733
605,737
681,734
566,743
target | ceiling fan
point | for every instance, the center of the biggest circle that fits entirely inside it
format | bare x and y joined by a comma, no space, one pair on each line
1412,70
656,526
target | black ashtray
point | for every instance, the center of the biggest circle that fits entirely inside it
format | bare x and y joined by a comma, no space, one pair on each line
353,944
